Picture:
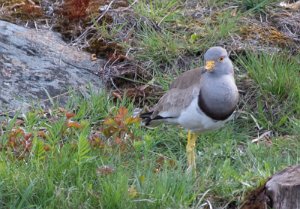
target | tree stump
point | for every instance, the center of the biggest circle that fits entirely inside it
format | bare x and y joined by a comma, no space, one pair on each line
281,191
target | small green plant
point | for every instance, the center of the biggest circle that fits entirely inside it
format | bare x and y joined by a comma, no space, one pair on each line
255,5
279,83
215,29
159,11
160,48
108,32
275,73
118,128
217,3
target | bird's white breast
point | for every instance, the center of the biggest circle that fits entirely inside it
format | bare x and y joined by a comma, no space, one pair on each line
194,119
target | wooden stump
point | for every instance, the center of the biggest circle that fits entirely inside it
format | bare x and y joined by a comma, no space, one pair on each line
281,191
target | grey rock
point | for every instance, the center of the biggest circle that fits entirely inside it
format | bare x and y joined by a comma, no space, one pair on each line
36,64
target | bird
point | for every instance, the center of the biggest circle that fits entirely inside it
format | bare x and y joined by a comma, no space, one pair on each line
199,100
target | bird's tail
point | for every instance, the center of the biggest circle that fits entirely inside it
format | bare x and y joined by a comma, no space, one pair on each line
147,120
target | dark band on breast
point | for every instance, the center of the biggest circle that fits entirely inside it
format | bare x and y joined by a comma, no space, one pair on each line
213,114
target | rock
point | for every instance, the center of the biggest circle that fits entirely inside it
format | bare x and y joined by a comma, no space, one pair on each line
281,191
37,64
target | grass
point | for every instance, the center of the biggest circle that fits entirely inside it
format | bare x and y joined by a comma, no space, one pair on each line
100,157
279,83
151,174
160,11
159,48
164,47
217,28
215,3
256,5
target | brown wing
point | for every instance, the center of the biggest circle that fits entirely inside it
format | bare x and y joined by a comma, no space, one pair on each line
187,79
181,93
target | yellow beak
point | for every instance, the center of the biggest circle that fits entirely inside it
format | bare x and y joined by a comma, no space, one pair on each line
209,65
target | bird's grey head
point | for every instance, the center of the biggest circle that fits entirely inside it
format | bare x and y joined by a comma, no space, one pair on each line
217,61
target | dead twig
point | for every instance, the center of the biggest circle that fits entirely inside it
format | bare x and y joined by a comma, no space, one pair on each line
93,25
261,137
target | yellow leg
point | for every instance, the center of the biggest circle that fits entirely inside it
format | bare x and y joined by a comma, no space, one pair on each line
190,150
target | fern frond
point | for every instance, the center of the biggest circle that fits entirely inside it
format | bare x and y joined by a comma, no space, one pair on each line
38,150
83,148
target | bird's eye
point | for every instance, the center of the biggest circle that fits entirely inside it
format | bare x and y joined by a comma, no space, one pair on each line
221,59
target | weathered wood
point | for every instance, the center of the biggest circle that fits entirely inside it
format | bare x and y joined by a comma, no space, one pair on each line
281,191
37,63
